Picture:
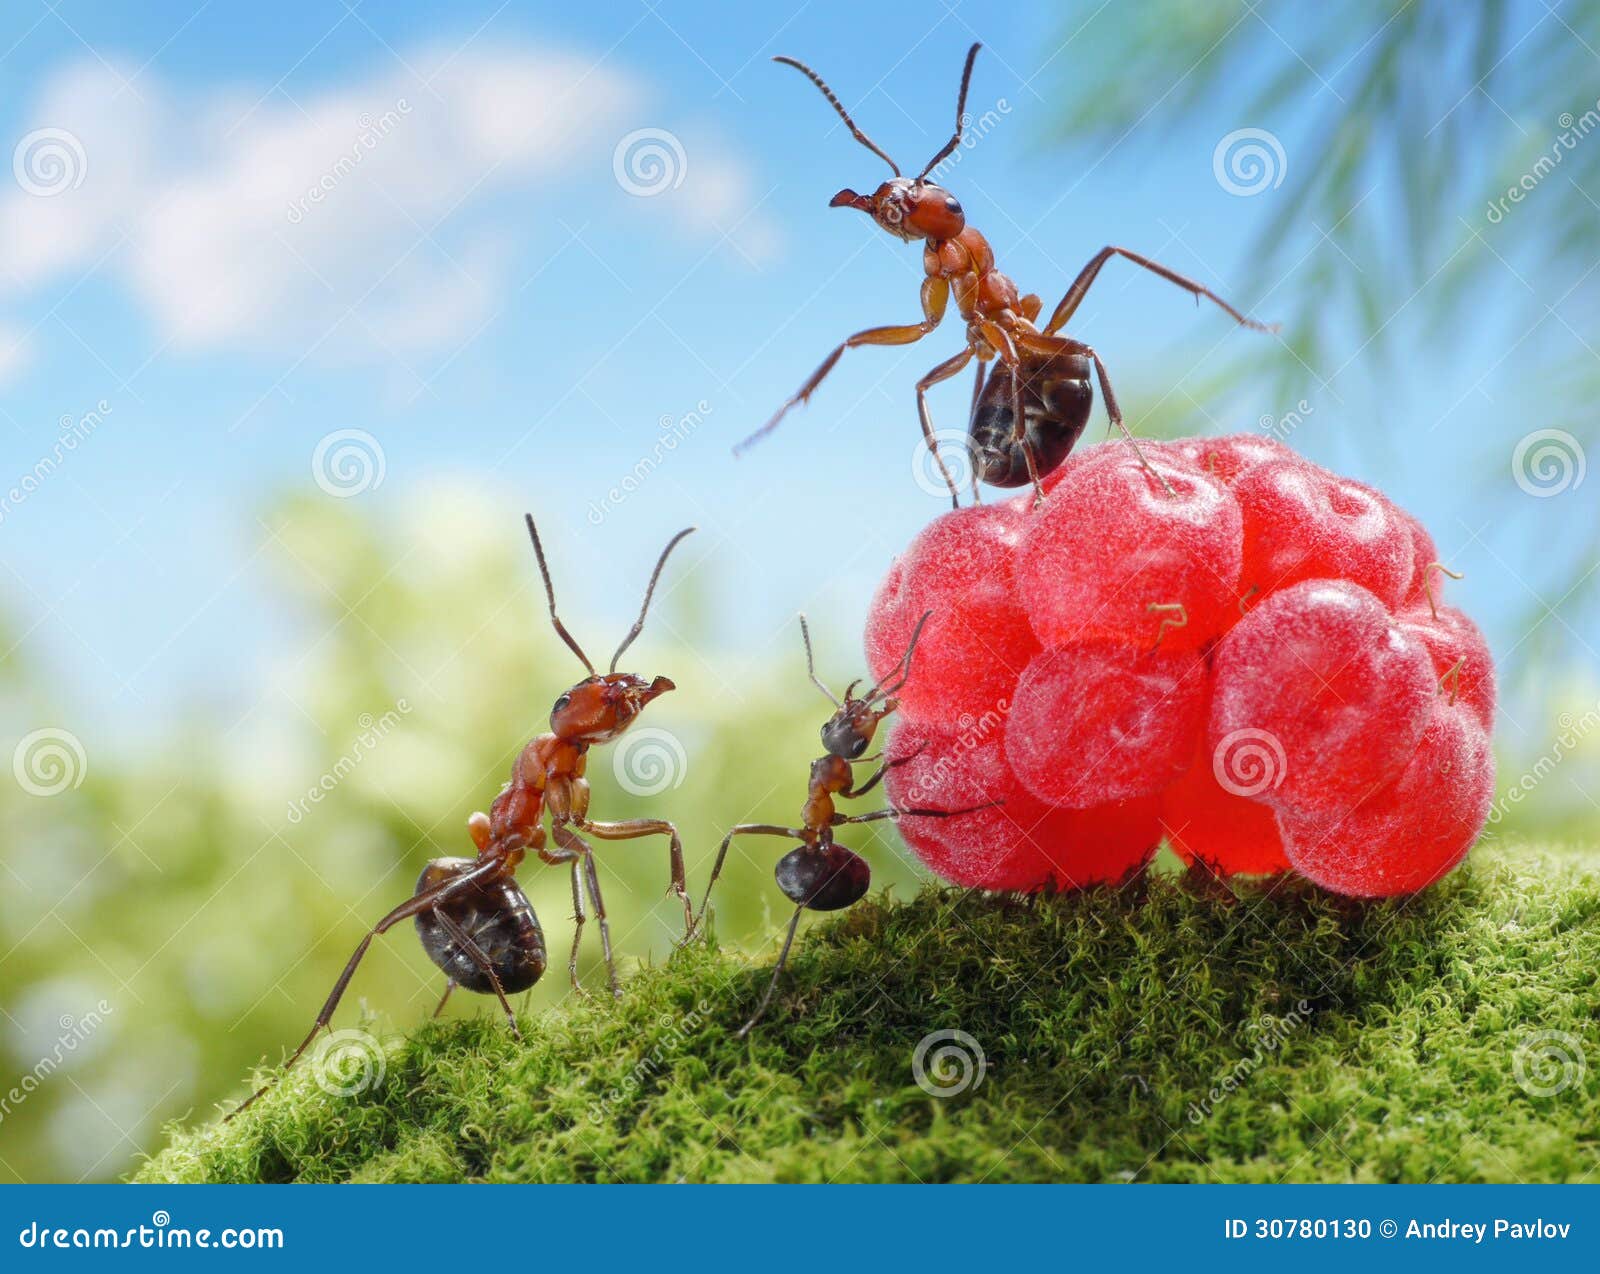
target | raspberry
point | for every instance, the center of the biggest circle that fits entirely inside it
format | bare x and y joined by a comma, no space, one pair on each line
1320,676
977,639
1407,835
1232,834
1101,721
1424,553
1112,554
1461,658
1022,844
1232,456
1301,522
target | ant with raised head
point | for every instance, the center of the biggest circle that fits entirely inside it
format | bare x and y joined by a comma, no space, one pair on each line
472,917
1028,415
821,874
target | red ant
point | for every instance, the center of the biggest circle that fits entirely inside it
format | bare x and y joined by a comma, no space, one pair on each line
474,921
821,874
1028,415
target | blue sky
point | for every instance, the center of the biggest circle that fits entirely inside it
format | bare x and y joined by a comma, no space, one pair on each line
484,296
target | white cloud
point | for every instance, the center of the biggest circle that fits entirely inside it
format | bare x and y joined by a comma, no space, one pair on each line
16,351
349,223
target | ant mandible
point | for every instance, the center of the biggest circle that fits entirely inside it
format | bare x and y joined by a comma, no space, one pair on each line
1027,417
472,917
821,874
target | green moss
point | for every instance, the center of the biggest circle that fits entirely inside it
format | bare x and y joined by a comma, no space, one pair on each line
1361,1042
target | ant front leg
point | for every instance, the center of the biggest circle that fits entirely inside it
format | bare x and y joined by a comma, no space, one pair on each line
877,776
632,829
405,911
1039,343
570,840
743,829
911,811
1000,337
944,371
1086,276
935,296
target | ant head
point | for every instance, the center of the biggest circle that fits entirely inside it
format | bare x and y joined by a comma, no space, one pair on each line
599,708
848,732
909,209
602,706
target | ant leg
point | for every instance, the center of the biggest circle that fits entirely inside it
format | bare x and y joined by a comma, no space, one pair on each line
449,986
410,907
1086,276
881,771
632,829
1041,344
944,371
743,829
783,959
977,394
935,296
476,954
1006,348
584,853
910,811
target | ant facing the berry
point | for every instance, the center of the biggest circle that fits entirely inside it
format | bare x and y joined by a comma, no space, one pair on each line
1027,416
472,917
820,874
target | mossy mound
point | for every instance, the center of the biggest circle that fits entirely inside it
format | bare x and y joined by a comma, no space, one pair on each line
1143,1034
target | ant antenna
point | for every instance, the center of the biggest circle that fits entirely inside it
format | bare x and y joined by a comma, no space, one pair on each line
649,592
961,110
844,114
902,666
811,667
550,592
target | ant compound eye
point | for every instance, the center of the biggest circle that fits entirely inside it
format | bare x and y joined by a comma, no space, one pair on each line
562,704
858,745
951,206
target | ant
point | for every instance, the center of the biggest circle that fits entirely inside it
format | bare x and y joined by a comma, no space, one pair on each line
820,874
1026,417
472,917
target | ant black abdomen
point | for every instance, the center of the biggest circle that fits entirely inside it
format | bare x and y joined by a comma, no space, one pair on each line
1056,399
499,920
823,877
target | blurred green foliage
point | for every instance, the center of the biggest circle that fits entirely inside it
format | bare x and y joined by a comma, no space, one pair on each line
178,886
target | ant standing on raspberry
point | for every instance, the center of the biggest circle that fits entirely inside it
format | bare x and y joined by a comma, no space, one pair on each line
1027,417
472,917
820,874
